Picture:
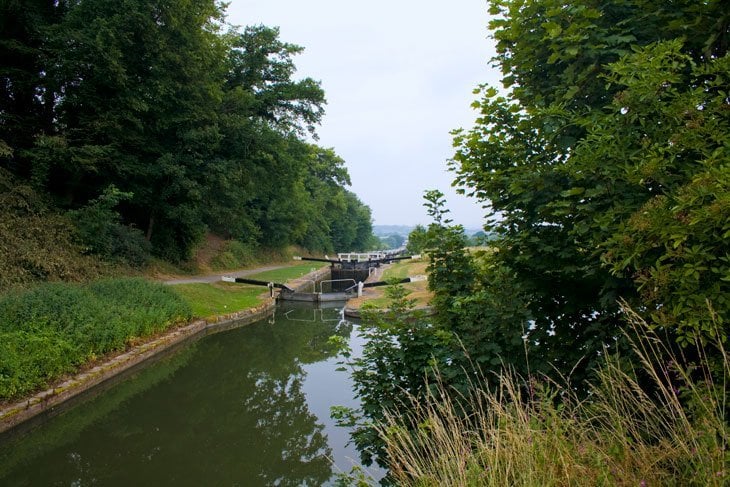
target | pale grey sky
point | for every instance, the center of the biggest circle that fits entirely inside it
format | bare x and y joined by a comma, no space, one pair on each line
398,76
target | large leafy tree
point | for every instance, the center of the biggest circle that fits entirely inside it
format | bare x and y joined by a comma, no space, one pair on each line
26,100
606,169
198,127
137,85
261,67
261,183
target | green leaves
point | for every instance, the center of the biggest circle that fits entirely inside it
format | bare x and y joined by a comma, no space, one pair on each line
259,63
155,99
604,169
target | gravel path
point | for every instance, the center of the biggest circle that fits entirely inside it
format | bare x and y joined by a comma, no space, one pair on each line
217,277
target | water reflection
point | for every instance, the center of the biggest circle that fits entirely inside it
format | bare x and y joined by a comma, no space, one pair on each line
235,408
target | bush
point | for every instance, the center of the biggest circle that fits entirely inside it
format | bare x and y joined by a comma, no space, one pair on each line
53,328
100,229
30,359
37,244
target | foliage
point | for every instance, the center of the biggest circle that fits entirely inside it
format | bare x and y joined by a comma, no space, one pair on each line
673,239
418,292
197,124
401,349
417,240
99,228
478,239
477,324
392,241
52,329
234,255
669,430
474,299
449,272
605,170
37,243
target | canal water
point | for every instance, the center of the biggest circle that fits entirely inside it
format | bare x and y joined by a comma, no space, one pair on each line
249,406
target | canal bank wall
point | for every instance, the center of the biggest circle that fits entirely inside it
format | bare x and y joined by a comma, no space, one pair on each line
53,398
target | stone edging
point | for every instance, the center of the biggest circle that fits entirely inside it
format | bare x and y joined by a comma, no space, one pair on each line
357,314
28,408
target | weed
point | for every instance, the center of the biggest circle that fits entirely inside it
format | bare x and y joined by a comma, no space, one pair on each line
670,430
53,328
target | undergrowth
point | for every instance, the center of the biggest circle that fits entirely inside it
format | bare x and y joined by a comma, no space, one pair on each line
38,244
667,428
54,328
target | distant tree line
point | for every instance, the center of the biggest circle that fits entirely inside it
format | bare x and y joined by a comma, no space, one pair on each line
154,121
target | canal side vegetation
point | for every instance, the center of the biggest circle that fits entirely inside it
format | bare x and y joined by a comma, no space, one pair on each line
377,297
54,328
208,300
134,138
141,126
519,431
587,345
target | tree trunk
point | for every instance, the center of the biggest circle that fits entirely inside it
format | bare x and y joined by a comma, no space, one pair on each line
148,235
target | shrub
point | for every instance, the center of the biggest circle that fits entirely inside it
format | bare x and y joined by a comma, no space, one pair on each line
30,359
100,229
37,244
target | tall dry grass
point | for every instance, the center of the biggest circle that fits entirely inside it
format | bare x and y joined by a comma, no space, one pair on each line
667,428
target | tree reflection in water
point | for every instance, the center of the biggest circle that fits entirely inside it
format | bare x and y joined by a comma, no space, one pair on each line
232,413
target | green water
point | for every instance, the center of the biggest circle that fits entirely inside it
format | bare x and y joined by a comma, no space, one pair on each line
249,406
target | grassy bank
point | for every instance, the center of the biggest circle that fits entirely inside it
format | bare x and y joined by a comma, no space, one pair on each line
216,255
208,300
418,291
218,298
53,329
288,273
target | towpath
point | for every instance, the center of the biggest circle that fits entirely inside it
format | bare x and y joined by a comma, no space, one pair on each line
217,277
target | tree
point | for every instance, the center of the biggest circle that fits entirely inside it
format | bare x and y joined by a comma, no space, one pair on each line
26,99
264,174
416,242
261,66
352,230
137,86
202,129
606,146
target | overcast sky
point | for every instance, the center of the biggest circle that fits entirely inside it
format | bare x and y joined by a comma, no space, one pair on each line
398,76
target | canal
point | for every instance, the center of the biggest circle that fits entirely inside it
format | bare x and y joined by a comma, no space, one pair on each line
248,406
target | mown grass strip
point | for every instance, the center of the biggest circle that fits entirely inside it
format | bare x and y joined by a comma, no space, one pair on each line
287,273
406,268
219,298
418,291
